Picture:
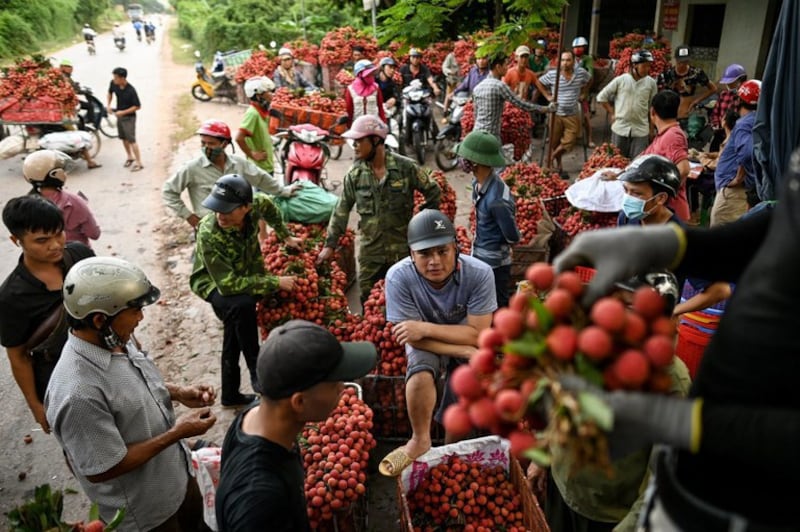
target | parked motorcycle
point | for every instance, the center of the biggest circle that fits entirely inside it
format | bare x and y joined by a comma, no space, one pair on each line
119,42
99,118
698,126
450,135
419,126
215,85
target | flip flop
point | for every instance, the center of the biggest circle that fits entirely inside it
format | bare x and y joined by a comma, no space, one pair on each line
95,166
394,463
136,167
129,162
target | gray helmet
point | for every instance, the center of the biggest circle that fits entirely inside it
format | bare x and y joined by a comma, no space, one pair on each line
481,147
641,56
107,285
386,61
229,192
428,229
656,170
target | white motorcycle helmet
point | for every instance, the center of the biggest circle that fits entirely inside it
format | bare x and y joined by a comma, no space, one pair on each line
259,85
45,165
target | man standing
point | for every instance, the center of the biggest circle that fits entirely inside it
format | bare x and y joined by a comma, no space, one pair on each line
127,105
286,75
381,185
521,79
731,79
686,79
200,174
735,176
32,325
495,210
302,369
580,49
491,94
439,301
671,142
567,124
630,115
476,74
416,70
253,135
539,62
228,272
111,410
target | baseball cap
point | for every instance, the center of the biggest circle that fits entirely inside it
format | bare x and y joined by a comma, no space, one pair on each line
229,192
430,228
300,354
522,50
682,53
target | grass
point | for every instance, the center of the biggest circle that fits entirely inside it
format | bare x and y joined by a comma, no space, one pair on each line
185,121
182,49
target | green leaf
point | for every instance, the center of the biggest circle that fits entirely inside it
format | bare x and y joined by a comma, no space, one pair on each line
116,521
541,387
595,409
94,512
530,344
588,371
540,457
543,316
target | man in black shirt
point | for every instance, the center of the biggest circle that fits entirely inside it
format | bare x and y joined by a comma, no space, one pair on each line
127,105
416,70
734,441
301,369
31,295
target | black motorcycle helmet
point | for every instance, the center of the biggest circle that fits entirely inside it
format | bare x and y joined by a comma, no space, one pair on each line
430,228
659,171
229,192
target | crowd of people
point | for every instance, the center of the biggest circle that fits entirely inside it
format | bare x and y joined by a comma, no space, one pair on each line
68,317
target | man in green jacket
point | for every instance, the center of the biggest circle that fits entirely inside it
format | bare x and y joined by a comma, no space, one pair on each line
381,185
229,273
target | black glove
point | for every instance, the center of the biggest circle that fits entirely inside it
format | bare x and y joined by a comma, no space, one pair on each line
621,253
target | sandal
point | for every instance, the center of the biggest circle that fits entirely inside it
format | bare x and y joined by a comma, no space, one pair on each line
394,463
136,167
129,162
95,165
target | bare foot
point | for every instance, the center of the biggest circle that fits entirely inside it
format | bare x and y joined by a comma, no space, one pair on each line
416,447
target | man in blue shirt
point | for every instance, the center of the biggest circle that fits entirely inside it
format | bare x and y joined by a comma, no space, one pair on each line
439,302
475,75
735,173
495,210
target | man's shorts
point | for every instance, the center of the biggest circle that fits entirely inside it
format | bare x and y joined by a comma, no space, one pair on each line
420,361
126,126
566,128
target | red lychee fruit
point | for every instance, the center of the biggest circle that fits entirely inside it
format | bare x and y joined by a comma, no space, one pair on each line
508,322
648,303
609,313
490,338
562,342
663,325
483,361
659,350
610,380
540,275
559,302
571,282
464,383
518,302
635,329
508,403
520,442
632,369
456,421
482,413
595,342
660,382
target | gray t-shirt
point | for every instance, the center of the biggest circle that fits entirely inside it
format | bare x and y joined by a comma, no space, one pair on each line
98,403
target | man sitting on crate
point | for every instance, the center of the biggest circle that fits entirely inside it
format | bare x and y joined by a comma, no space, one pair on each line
301,368
440,301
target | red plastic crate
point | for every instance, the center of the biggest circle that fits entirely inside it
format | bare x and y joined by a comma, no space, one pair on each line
585,273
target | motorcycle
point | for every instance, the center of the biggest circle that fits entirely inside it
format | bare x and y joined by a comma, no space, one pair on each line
304,151
99,117
394,136
698,126
450,135
216,85
150,35
119,42
90,47
418,123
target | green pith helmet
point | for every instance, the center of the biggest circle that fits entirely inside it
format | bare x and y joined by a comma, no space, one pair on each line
481,147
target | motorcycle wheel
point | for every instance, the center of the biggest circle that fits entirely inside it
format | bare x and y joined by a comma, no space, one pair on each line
108,126
200,94
419,146
444,151
335,151
95,143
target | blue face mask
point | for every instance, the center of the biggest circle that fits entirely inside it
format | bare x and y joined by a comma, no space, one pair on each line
633,207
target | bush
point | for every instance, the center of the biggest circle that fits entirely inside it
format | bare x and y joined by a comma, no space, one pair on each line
17,37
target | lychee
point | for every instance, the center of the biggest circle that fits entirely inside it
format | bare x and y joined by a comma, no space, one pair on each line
609,313
559,302
659,350
540,275
518,302
508,322
483,361
663,325
595,342
660,382
632,369
520,442
482,413
490,338
508,403
648,303
562,342
635,328
464,383
456,420
610,379
571,282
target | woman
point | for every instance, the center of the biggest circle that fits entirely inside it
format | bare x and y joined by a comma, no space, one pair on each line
363,96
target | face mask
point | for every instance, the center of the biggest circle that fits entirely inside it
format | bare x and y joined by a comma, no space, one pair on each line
633,207
578,52
212,153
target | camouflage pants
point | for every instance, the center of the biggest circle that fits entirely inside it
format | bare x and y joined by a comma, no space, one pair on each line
370,271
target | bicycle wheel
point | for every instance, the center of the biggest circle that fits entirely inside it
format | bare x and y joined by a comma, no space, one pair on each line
446,158
108,126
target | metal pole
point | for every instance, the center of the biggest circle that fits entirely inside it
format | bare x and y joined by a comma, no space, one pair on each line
303,12
552,116
594,27
374,18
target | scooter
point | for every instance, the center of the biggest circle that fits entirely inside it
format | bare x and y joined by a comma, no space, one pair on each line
90,47
119,42
450,135
216,85
99,118
393,138
419,126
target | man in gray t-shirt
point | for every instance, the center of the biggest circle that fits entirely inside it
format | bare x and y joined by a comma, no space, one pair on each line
440,301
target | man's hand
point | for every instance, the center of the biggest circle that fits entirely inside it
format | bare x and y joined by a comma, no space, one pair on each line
611,118
294,242
291,191
552,107
410,331
40,416
325,254
196,396
195,422
258,155
193,220
286,282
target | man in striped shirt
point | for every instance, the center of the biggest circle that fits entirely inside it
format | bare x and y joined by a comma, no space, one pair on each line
491,94
567,124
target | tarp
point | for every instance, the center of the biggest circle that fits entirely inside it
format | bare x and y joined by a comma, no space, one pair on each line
776,132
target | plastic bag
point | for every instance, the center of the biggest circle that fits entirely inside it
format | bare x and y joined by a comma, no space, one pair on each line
597,194
67,141
311,204
206,465
11,146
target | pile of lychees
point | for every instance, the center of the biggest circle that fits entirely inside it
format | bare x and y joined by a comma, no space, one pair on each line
513,385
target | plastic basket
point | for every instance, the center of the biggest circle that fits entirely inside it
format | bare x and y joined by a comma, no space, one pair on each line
691,346
290,116
586,274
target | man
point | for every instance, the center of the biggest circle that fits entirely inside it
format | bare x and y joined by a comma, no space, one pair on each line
381,185
253,136
66,72
228,272
671,142
731,80
302,369
580,49
476,74
631,94
137,27
539,62
521,79
32,325
491,94
451,71
416,70
686,80
439,301
735,175
286,75
88,34
200,174
111,410
385,79
739,427
649,182
567,124
495,210
127,105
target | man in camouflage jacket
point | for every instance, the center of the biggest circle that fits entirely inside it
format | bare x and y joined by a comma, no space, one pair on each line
381,185
229,273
